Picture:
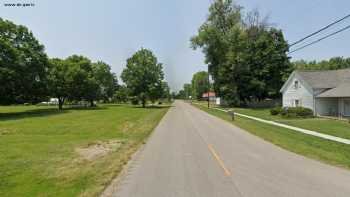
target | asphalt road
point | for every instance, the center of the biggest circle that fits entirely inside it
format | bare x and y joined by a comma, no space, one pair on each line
193,154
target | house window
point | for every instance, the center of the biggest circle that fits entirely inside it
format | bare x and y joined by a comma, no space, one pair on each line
296,84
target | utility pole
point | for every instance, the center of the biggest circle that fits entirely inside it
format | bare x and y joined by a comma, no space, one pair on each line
208,88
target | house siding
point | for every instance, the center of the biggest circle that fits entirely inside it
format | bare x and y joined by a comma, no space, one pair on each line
312,92
302,93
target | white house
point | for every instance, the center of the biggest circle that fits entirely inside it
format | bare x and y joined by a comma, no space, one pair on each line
327,93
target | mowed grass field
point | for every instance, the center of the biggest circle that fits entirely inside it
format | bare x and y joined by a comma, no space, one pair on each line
40,147
313,147
339,128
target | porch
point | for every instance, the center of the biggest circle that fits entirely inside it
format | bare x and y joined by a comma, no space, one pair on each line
333,107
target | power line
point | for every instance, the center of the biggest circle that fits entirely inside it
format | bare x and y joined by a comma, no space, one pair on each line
324,28
325,37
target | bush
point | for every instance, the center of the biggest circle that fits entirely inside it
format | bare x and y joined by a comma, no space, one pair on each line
305,112
276,110
284,112
297,112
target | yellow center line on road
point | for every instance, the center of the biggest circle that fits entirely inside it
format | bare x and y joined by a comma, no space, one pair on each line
221,163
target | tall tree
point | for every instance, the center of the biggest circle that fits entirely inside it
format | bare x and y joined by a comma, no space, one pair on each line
23,65
264,63
188,90
166,91
106,80
224,18
247,58
86,86
200,84
62,80
143,76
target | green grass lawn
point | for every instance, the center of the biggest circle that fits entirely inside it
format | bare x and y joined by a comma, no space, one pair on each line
313,147
337,128
38,147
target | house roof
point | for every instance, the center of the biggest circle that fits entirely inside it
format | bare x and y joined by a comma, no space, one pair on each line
325,79
342,90
211,94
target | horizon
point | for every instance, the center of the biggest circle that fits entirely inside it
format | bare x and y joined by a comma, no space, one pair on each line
110,33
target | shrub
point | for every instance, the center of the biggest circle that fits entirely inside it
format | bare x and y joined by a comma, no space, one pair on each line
297,112
284,111
276,110
304,112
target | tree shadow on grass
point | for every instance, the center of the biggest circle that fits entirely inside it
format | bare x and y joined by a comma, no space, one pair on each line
31,114
44,112
153,106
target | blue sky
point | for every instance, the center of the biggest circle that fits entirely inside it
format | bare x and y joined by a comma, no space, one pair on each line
112,30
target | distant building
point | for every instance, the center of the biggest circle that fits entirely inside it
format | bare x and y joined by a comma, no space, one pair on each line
53,101
327,93
212,96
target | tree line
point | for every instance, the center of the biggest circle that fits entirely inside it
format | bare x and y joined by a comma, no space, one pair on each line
331,64
77,78
194,90
247,57
28,75
200,83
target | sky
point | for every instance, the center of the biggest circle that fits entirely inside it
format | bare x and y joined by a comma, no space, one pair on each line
112,30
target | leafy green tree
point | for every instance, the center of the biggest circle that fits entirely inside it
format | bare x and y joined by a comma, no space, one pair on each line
166,91
247,59
143,76
180,95
95,82
200,84
159,91
85,86
61,80
106,80
265,62
77,78
213,38
121,94
188,90
23,65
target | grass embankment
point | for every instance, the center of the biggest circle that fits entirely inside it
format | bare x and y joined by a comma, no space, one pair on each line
39,147
313,147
